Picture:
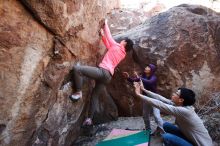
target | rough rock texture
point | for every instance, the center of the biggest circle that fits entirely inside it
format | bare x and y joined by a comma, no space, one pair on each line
24,53
212,123
124,19
184,44
36,36
210,114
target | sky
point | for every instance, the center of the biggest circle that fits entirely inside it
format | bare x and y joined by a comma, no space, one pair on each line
136,4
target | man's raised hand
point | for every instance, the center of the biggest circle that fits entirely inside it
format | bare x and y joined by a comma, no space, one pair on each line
137,88
141,85
136,74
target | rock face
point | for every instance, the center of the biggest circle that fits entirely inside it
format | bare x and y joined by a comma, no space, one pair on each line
210,114
35,36
125,19
212,123
184,44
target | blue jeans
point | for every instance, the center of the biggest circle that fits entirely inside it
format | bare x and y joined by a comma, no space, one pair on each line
173,136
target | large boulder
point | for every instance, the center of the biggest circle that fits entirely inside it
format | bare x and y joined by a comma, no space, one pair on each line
184,43
125,19
36,36
24,46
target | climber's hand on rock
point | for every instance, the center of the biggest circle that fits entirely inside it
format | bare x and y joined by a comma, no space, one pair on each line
106,22
141,85
137,88
135,74
101,32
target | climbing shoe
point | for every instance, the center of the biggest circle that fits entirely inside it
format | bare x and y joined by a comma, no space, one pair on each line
87,122
158,132
75,97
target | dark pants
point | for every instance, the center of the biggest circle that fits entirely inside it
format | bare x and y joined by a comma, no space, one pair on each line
173,136
101,77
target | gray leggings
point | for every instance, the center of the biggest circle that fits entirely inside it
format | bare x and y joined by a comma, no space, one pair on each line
147,109
101,77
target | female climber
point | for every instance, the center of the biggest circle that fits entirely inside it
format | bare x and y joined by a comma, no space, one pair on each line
102,74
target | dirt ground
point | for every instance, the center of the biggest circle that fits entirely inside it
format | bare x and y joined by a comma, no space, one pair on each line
91,136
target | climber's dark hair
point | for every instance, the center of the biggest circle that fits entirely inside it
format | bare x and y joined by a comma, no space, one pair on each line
129,45
188,95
